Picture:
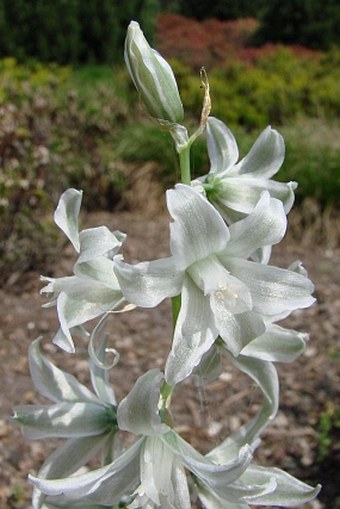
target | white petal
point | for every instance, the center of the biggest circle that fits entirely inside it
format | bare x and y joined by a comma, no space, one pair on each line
66,215
138,411
276,345
273,290
236,330
198,229
156,464
148,283
210,367
266,155
266,225
265,376
217,476
57,502
211,501
61,420
222,146
105,485
66,460
241,193
57,285
212,278
262,255
239,492
100,269
95,242
87,300
195,332
180,485
52,382
99,375
289,491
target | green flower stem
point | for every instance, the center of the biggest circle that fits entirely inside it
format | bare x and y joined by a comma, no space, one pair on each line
107,455
176,306
184,161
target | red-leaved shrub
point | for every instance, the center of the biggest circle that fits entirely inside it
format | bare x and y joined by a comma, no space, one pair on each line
207,43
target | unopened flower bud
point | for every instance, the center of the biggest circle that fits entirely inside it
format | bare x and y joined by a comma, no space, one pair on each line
152,76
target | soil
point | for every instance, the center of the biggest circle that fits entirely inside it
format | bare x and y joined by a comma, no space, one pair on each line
302,439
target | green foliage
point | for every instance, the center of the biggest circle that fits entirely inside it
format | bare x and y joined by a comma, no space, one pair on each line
222,9
70,31
279,88
313,160
311,23
329,425
54,134
62,128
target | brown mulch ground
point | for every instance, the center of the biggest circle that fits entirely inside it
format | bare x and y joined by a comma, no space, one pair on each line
204,416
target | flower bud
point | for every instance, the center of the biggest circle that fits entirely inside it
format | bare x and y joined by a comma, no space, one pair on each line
152,76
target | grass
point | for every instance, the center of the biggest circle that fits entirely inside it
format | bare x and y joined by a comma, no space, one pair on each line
312,156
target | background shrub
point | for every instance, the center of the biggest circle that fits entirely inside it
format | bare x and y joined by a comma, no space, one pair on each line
71,31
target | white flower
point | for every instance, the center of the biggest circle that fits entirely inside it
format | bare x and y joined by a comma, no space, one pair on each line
87,419
235,188
152,473
222,293
93,290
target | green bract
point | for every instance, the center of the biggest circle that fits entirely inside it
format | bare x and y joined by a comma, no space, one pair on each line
153,77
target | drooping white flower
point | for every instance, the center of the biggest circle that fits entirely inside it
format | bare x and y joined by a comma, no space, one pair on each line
153,472
236,187
86,419
93,290
222,292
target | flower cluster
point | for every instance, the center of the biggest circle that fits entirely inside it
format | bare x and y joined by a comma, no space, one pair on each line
227,300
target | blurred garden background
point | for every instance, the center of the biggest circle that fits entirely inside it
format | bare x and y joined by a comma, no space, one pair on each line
70,117
69,114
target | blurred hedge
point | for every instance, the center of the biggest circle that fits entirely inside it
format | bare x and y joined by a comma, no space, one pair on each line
276,86
71,31
52,136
